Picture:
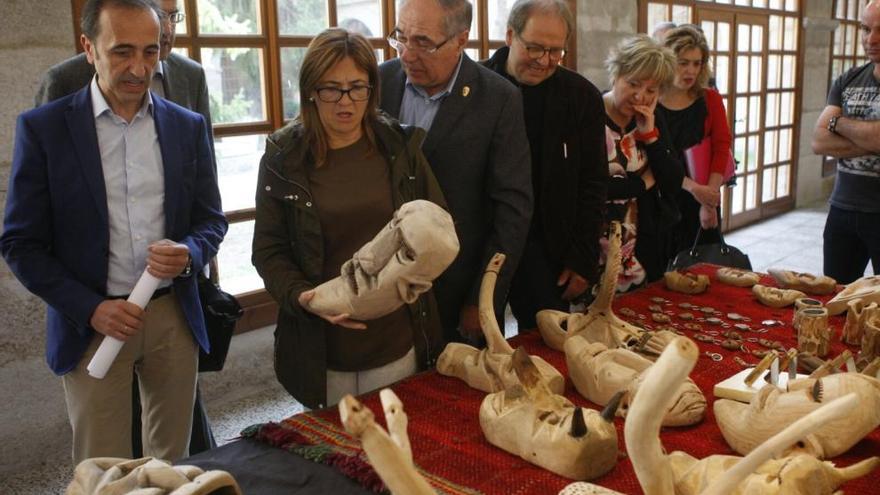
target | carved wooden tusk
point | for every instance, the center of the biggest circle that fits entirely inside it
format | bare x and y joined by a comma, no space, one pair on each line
611,408
578,425
495,341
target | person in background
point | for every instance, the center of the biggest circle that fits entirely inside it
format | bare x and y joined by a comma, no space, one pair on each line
105,183
328,182
645,174
849,130
661,29
693,111
569,159
181,80
476,145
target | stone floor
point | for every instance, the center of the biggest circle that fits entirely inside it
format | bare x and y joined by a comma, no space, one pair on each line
246,392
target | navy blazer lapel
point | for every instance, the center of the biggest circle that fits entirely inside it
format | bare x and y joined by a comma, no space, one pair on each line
81,125
166,130
453,106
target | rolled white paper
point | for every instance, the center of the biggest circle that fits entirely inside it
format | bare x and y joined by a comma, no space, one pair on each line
774,372
110,347
851,365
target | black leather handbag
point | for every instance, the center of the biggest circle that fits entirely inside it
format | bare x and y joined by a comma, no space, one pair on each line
221,311
719,253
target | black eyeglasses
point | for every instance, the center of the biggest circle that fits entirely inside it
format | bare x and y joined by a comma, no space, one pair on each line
537,51
420,45
330,94
174,17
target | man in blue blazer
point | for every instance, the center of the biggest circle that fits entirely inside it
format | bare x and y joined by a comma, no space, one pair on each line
105,183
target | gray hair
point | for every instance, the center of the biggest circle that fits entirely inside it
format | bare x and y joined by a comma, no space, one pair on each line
522,10
660,29
459,14
92,12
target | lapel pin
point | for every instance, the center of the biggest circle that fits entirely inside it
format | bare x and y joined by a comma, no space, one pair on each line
465,91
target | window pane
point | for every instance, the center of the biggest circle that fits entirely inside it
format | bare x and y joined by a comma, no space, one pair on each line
767,186
739,119
753,153
757,38
721,73
473,53
775,38
302,17
360,16
754,113
291,61
756,80
238,159
785,145
181,50
770,146
723,36
736,199
180,27
709,31
743,38
235,84
657,13
790,33
739,152
742,74
774,76
751,191
229,17
782,181
681,14
498,12
237,274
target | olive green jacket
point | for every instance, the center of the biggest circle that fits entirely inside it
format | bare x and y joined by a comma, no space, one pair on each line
288,250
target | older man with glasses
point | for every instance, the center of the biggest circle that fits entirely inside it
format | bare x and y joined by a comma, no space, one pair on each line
564,120
476,145
176,78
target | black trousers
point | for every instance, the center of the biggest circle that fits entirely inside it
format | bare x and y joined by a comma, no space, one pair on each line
201,438
851,239
534,285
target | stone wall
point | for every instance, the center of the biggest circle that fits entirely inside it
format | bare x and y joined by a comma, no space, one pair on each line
33,421
601,25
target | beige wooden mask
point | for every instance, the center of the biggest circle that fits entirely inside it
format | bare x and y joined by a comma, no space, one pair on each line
546,429
395,267
775,297
686,282
804,282
866,288
490,369
737,277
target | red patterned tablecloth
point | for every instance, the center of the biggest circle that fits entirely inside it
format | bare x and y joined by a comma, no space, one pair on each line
449,447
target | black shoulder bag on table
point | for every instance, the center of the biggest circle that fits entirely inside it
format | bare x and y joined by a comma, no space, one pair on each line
221,311
719,253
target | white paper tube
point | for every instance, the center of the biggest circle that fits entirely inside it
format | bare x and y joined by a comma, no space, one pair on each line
110,347
774,372
851,365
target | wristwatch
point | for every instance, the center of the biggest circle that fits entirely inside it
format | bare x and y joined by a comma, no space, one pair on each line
187,270
832,124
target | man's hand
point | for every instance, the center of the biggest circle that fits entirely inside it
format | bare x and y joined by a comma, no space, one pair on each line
167,259
708,217
469,323
342,320
117,318
576,284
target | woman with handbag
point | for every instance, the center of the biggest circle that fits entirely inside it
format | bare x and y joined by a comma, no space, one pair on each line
700,134
328,182
645,176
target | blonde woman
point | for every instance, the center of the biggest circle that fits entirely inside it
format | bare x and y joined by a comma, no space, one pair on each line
693,111
329,181
645,175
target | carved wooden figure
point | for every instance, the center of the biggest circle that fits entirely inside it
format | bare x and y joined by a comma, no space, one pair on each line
774,297
389,453
546,429
490,369
598,373
870,341
745,426
858,315
813,332
678,473
599,323
866,288
395,267
686,282
804,282
737,277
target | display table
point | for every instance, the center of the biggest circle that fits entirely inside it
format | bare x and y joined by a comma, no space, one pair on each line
450,450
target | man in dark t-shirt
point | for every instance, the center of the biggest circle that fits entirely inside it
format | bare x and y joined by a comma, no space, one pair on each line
849,130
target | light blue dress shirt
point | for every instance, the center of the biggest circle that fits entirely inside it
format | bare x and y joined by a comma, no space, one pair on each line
419,109
135,184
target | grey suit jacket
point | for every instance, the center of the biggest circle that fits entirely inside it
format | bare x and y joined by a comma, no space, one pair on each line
479,152
184,83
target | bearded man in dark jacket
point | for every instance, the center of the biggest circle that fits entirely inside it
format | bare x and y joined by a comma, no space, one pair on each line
564,118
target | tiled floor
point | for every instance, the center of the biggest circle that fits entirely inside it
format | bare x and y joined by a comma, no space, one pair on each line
246,391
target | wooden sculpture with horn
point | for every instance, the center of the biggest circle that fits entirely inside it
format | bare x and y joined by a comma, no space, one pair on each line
598,373
599,323
866,288
546,429
858,317
745,426
737,277
490,369
389,453
678,473
804,282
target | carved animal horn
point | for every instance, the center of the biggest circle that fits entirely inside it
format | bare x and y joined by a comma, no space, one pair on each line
494,337
578,425
525,369
611,408
857,470
816,392
612,269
